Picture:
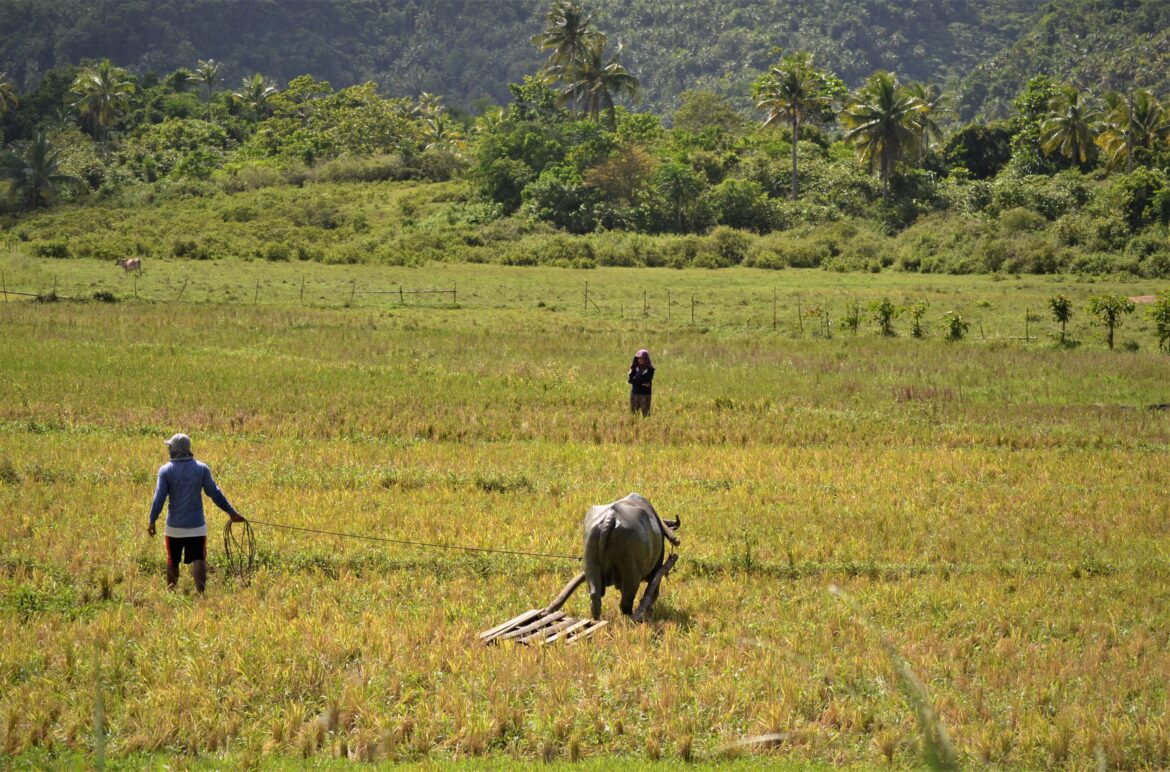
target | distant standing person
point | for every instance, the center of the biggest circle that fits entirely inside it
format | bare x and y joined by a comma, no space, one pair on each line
641,378
184,481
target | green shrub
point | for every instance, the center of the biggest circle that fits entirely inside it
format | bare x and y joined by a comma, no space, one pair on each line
954,326
363,169
57,248
190,249
763,255
730,244
1021,220
278,252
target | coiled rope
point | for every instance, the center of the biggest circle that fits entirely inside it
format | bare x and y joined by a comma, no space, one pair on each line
240,551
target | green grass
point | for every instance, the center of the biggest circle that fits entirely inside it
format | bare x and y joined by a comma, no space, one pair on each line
996,507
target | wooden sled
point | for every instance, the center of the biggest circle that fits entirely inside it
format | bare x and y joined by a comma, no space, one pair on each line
550,624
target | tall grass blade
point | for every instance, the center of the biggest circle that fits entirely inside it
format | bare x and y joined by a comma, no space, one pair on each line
936,744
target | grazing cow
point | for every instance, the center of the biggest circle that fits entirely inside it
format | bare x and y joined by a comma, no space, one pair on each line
128,264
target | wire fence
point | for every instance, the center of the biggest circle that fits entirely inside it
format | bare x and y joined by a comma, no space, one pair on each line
823,314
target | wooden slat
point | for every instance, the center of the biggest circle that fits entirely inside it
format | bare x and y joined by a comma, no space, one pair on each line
549,633
539,627
539,623
588,631
565,634
527,616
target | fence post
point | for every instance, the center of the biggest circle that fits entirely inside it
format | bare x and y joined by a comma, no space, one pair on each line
401,296
645,310
135,285
455,294
668,305
1027,332
773,308
692,309
352,291
586,297
4,283
256,297
799,316
302,290
183,288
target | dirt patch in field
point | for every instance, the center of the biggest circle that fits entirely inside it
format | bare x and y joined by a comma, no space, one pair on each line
1144,299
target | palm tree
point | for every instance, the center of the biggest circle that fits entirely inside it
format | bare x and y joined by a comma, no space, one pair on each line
100,92
8,98
1131,122
207,76
793,91
571,44
881,122
596,82
567,35
440,132
34,172
932,105
429,106
1068,130
255,93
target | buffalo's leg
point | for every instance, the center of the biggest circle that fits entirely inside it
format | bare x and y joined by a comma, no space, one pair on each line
650,596
595,604
629,592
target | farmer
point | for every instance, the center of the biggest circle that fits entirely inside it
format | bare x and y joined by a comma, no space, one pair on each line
640,378
185,480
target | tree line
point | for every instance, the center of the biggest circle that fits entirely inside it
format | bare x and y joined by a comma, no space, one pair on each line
572,150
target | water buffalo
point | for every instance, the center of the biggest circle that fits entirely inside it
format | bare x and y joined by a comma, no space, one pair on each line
625,543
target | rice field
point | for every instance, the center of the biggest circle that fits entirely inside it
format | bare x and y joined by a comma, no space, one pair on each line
995,511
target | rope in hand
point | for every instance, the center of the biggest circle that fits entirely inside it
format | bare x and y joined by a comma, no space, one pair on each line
241,552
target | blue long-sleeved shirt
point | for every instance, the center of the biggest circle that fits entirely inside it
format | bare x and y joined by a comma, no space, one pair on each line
185,482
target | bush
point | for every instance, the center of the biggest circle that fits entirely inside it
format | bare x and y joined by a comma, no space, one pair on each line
277,253
57,248
763,255
190,249
730,244
376,168
742,204
1021,220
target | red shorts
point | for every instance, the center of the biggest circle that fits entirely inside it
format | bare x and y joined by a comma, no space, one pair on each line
186,549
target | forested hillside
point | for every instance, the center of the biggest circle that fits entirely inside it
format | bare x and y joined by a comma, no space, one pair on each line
811,164
469,50
1093,44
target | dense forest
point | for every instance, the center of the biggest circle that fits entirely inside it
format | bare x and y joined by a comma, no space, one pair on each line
799,156
469,50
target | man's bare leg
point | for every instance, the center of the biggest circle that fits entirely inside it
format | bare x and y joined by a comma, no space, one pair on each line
199,574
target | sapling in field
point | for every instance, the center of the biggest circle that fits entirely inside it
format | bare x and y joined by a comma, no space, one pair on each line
917,310
852,319
1160,315
1061,311
883,313
1109,309
956,326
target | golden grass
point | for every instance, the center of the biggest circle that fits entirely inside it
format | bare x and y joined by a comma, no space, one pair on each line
999,512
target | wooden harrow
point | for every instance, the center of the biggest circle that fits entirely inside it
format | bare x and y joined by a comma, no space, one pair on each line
550,624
